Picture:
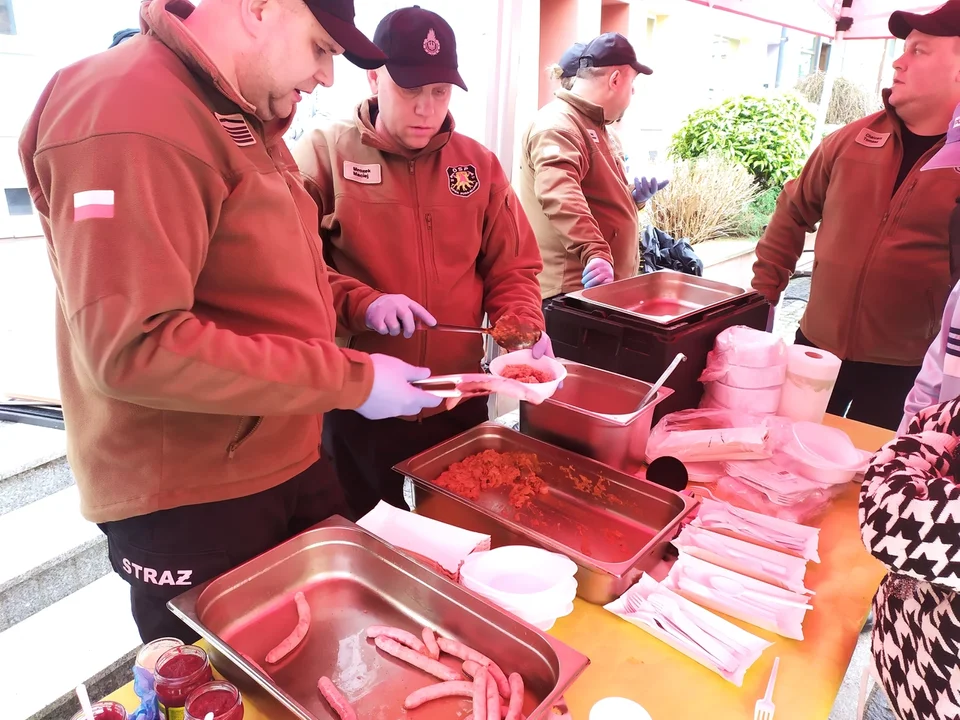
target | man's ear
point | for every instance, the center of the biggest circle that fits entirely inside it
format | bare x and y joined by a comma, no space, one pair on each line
373,79
252,14
615,79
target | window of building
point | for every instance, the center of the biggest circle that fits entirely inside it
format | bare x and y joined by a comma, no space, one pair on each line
18,201
7,25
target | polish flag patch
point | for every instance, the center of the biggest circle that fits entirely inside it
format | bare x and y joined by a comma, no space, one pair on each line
91,204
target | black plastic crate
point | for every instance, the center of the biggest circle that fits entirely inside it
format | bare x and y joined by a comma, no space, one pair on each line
614,341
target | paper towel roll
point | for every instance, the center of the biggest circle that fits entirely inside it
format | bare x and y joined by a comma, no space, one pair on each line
811,375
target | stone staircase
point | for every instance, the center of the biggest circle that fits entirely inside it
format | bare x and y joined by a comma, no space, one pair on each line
64,616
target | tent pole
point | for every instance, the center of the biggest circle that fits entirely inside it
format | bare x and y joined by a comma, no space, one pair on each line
833,69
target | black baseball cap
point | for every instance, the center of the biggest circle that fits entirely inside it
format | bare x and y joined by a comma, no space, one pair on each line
612,49
420,48
570,60
336,16
121,35
944,21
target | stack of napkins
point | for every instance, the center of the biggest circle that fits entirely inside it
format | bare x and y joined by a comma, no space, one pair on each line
697,633
758,603
776,568
446,545
781,535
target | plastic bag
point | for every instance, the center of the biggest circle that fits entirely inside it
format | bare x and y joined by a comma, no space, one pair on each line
805,509
747,358
706,435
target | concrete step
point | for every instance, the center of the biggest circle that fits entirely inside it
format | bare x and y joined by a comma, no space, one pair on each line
24,447
57,552
32,485
88,637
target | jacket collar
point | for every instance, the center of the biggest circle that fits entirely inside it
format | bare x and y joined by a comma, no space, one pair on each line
367,125
164,20
583,106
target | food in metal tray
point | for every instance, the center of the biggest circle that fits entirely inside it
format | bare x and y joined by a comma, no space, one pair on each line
298,634
336,699
430,641
428,665
492,469
526,374
401,636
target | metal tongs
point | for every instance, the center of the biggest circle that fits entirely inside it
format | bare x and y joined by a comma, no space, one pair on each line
451,386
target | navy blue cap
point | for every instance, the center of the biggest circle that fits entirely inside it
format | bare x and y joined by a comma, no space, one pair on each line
570,60
612,49
337,18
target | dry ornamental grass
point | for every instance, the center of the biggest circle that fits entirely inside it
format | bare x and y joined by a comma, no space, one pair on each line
705,199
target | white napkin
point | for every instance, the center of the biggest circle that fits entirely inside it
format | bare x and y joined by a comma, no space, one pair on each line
761,563
742,648
446,545
758,603
791,538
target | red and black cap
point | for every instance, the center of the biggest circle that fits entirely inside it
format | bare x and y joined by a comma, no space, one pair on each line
420,47
336,16
612,49
943,22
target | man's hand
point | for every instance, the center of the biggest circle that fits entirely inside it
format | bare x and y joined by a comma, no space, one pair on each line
644,189
391,314
597,272
392,394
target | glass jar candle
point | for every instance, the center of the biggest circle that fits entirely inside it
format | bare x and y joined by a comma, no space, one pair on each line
217,697
179,672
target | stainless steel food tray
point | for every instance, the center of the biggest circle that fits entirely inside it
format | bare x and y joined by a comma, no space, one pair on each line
353,580
612,535
663,297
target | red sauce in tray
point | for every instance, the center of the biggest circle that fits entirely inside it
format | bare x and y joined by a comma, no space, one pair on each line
179,672
220,698
526,374
491,469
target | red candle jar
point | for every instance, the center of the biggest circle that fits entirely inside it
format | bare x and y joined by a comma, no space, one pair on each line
179,672
218,697
105,710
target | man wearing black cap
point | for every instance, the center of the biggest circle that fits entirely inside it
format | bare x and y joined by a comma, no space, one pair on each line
566,69
408,205
195,319
882,264
574,186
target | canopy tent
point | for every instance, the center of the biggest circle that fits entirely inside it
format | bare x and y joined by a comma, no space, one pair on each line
856,19
837,19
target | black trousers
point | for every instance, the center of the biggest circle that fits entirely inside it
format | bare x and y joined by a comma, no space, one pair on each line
365,451
869,392
163,554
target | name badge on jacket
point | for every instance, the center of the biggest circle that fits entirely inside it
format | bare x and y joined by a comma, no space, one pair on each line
871,139
365,174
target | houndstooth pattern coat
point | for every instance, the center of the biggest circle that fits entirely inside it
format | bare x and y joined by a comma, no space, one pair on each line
910,521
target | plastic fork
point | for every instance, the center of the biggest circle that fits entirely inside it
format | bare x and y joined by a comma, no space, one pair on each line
765,708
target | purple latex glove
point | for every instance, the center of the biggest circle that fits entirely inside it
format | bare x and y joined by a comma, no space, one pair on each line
644,189
597,272
542,347
391,314
392,395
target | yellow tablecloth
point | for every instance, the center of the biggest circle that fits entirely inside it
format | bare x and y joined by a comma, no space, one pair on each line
627,662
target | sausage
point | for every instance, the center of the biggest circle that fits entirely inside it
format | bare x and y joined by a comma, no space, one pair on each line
470,668
336,699
430,640
428,665
458,649
457,688
401,636
493,699
298,634
516,697
480,683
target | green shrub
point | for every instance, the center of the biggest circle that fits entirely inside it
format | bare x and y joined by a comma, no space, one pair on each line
757,215
769,135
